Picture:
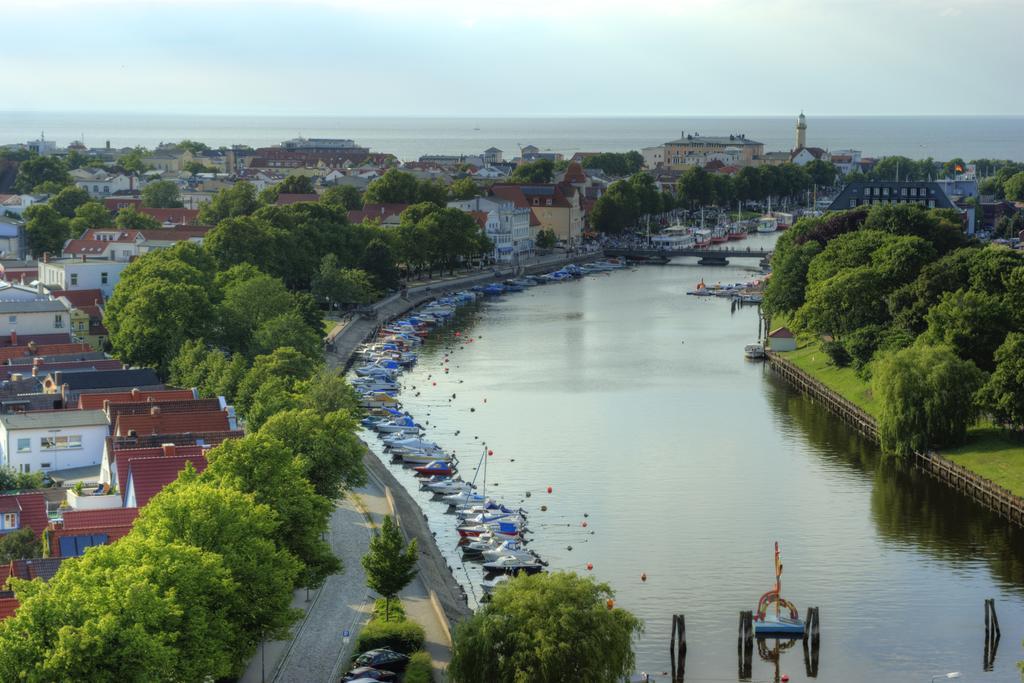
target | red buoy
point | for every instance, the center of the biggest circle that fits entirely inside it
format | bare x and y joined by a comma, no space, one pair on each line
590,566
643,577
490,452
549,489
584,525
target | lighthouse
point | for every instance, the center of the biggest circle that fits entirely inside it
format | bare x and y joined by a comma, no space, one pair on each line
801,132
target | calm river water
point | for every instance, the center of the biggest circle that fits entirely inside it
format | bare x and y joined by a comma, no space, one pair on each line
634,402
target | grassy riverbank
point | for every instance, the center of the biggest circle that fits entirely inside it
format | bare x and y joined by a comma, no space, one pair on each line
989,451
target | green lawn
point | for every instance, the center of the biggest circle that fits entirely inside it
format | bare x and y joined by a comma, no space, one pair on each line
995,455
329,325
990,452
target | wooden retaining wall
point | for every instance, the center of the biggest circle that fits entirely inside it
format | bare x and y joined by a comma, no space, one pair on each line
983,491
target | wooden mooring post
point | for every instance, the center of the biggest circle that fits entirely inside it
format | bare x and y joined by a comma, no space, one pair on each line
745,645
812,642
992,635
677,647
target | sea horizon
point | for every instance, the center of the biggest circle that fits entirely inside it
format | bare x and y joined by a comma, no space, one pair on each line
940,136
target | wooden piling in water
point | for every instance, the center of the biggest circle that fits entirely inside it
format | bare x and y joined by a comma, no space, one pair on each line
992,635
677,647
745,645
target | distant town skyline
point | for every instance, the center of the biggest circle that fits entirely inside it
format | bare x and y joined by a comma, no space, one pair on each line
527,58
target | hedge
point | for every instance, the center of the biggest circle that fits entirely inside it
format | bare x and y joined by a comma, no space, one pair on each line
420,669
380,610
401,636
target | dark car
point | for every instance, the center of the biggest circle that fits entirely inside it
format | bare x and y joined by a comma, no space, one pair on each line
364,672
383,658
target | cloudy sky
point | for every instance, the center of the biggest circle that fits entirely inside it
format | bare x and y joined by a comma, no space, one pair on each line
510,57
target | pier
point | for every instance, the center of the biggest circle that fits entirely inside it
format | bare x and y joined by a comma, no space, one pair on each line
707,256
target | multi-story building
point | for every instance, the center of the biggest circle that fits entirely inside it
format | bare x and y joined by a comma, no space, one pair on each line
52,440
506,224
81,273
926,193
556,207
28,310
693,148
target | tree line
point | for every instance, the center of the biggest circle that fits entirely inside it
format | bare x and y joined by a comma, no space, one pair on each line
930,317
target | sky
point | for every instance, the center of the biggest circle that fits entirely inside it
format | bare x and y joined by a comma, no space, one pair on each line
513,57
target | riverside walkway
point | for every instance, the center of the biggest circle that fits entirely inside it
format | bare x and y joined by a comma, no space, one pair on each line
710,254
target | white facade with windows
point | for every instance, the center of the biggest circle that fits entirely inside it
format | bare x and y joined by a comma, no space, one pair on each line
72,274
508,226
31,310
52,440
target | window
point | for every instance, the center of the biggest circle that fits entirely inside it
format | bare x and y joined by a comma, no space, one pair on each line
58,321
12,319
10,520
61,442
74,279
26,468
103,278
24,445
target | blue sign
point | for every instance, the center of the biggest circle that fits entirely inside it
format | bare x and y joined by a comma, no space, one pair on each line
346,633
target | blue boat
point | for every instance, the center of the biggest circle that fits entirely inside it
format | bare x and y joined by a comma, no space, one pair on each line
777,617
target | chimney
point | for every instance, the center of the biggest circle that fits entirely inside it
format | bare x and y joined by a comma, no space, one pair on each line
57,377
38,360
170,450
135,394
155,410
46,257
106,406
132,433
35,370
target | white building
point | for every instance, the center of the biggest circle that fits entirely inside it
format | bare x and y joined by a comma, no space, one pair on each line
846,160
17,203
101,184
81,273
506,225
52,440
32,311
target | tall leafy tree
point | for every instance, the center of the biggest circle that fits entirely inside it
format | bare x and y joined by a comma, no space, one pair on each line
238,200
378,261
67,201
296,184
972,323
390,564
463,188
927,398
245,239
46,230
37,171
394,187
546,629
1003,394
161,194
345,196
90,215
326,445
534,172
130,218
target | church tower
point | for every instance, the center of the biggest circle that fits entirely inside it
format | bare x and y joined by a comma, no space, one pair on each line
801,132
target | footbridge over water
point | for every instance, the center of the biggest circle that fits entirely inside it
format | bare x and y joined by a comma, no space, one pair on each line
708,256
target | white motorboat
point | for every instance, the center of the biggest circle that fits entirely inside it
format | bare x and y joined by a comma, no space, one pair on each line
412,443
509,564
754,351
448,487
464,498
492,584
424,458
509,549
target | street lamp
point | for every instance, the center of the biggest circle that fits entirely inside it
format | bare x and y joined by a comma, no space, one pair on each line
951,674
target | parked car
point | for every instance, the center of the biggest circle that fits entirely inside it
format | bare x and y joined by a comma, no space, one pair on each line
363,673
383,658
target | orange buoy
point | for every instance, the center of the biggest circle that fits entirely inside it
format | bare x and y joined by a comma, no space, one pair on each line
610,603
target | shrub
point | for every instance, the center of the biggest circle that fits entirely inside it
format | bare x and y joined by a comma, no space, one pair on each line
420,669
401,636
837,353
380,608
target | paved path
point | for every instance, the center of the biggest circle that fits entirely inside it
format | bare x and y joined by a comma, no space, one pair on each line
317,651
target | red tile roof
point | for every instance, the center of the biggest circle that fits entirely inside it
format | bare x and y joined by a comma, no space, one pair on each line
115,203
781,333
94,519
81,297
41,350
480,217
148,476
8,607
191,405
95,401
32,509
176,216
176,234
574,173
381,212
15,339
172,423
122,458
294,198
209,439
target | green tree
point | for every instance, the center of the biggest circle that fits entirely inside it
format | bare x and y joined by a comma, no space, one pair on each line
161,194
132,162
390,564
90,215
694,187
787,286
345,196
327,446
285,365
251,299
338,286
19,545
1013,187
989,267
647,195
546,239
845,302
617,208
927,398
130,218
287,329
433,191
394,187
822,173
378,261
39,170
67,201
240,529
546,629
46,231
193,146
268,469
327,392
237,200
534,172
296,184
1003,394
463,188
616,164
245,239
13,480
971,323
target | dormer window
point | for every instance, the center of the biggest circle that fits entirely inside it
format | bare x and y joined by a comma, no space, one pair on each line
10,521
